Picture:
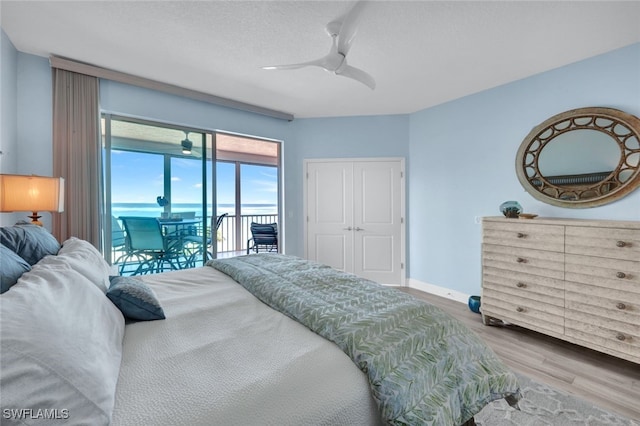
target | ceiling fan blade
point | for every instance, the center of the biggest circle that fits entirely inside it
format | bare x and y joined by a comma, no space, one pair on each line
317,62
359,75
342,31
349,27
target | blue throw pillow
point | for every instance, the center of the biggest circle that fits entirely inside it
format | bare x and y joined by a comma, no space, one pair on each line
30,242
135,299
12,267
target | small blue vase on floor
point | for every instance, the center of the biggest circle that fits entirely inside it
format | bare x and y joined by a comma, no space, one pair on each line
474,304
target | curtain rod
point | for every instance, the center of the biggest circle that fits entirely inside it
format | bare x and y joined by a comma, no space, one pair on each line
94,71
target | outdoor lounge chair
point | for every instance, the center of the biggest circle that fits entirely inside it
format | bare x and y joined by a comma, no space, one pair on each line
264,236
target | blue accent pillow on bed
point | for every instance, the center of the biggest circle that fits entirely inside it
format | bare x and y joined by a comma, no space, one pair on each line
135,299
30,242
12,267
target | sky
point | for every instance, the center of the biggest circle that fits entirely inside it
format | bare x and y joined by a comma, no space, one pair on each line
139,178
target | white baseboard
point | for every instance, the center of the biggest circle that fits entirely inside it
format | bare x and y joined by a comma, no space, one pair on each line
439,291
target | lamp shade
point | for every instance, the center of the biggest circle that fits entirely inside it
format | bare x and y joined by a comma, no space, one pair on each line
31,193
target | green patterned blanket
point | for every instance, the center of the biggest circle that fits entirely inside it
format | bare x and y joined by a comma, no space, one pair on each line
424,366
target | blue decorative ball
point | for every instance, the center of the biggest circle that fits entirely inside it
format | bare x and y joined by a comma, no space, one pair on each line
474,304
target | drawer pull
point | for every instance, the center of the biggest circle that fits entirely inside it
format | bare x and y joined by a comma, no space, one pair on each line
521,285
621,244
519,309
521,235
621,306
521,260
621,275
621,337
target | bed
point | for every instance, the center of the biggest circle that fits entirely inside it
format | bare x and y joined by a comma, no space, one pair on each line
262,339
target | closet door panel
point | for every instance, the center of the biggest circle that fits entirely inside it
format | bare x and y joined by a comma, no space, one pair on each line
330,214
378,220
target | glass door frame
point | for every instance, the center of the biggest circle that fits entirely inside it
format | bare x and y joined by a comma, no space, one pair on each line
209,154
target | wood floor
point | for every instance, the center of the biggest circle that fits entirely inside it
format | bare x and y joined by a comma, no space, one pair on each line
606,381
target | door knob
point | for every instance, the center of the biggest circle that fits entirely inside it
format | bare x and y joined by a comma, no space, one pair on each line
359,229
348,228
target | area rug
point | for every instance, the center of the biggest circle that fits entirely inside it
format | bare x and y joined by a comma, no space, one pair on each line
543,405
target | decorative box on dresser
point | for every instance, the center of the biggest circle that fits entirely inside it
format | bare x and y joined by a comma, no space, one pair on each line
577,280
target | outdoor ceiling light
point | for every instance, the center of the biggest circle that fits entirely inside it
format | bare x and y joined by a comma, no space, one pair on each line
186,144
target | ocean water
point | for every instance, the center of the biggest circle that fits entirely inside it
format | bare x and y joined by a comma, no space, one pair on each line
154,210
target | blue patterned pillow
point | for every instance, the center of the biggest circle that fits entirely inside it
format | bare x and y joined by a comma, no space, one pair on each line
135,299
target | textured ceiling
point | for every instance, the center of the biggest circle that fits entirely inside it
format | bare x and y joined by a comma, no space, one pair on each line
421,53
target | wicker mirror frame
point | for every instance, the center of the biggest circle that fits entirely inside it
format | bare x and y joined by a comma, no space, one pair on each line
587,190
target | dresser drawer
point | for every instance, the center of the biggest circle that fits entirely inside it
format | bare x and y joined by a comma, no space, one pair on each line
601,302
535,262
622,275
535,287
517,233
612,337
519,310
614,243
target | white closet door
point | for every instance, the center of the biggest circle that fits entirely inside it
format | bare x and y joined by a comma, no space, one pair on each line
330,214
355,217
378,221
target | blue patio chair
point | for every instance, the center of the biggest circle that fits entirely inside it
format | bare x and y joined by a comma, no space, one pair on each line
214,233
118,241
264,236
147,248
217,225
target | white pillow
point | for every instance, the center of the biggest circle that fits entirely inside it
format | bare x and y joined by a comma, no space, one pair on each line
61,347
84,258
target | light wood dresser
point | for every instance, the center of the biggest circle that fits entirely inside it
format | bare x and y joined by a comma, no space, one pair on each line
577,280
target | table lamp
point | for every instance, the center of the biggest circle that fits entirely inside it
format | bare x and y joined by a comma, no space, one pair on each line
31,193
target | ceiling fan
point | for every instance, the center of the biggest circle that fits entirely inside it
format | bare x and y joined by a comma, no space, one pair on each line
342,31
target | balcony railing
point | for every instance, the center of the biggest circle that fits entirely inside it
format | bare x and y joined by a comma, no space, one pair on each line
232,236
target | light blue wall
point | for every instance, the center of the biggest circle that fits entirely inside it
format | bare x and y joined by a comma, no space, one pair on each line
8,114
8,106
466,151
144,103
26,119
32,139
35,135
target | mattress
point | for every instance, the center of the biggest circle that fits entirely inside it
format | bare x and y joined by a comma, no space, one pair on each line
222,357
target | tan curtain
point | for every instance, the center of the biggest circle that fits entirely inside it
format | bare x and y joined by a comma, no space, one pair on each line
77,155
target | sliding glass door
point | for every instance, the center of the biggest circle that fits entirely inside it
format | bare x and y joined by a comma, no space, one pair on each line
159,172
185,179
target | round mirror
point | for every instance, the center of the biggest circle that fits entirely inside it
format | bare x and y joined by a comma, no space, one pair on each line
581,158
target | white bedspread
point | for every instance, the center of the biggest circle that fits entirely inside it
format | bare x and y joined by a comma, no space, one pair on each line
222,357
